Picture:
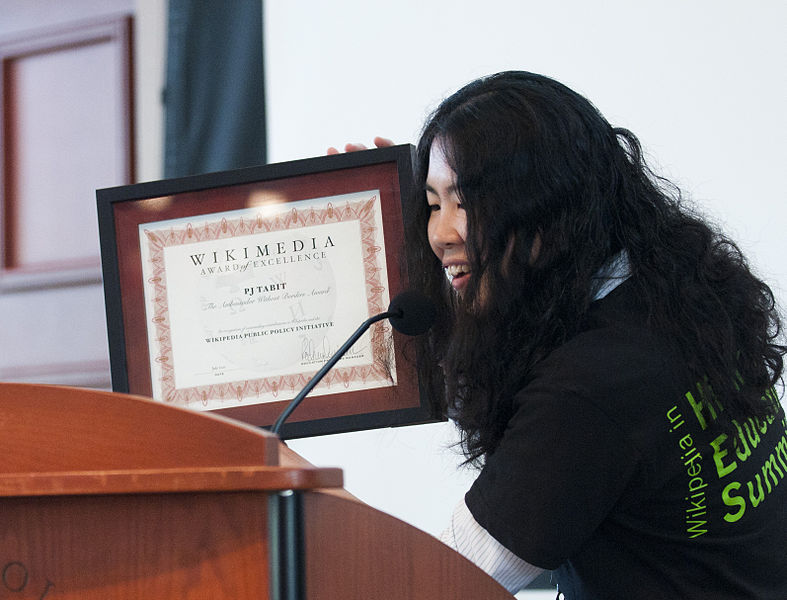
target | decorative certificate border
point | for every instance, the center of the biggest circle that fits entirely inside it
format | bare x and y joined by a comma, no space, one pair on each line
140,226
362,209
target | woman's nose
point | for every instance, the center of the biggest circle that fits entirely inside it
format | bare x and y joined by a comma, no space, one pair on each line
445,230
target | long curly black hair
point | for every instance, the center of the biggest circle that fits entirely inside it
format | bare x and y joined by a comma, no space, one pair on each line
534,160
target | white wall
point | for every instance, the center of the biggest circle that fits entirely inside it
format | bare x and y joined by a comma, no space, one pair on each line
701,83
150,46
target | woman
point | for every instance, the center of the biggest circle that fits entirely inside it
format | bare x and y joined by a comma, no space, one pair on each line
607,355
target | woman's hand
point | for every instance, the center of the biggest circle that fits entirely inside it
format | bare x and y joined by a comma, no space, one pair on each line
379,142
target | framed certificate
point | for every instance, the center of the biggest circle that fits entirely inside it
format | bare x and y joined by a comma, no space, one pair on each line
226,292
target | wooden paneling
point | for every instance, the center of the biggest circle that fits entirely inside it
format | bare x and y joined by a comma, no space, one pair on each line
66,131
66,123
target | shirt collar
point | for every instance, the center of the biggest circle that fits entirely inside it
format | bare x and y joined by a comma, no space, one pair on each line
614,272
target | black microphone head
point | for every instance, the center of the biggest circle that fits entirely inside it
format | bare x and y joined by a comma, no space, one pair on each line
416,313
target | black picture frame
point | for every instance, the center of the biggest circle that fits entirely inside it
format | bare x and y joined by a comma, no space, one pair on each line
121,212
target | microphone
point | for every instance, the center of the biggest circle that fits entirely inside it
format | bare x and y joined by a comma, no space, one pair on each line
410,313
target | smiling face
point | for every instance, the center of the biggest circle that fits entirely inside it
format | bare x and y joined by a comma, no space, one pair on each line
447,226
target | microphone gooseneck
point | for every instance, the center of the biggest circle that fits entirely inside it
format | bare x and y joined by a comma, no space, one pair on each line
410,313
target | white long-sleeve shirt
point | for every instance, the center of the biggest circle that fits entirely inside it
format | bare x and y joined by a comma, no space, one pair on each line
467,537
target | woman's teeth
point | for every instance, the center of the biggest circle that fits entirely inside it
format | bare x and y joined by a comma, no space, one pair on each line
452,271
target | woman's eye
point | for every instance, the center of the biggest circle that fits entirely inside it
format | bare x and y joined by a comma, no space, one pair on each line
434,207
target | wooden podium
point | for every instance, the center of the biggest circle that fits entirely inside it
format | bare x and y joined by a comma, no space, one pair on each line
116,497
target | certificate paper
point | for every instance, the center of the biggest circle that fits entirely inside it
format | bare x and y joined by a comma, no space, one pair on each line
228,291
244,306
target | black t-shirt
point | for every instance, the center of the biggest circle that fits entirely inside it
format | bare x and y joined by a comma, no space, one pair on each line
613,471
